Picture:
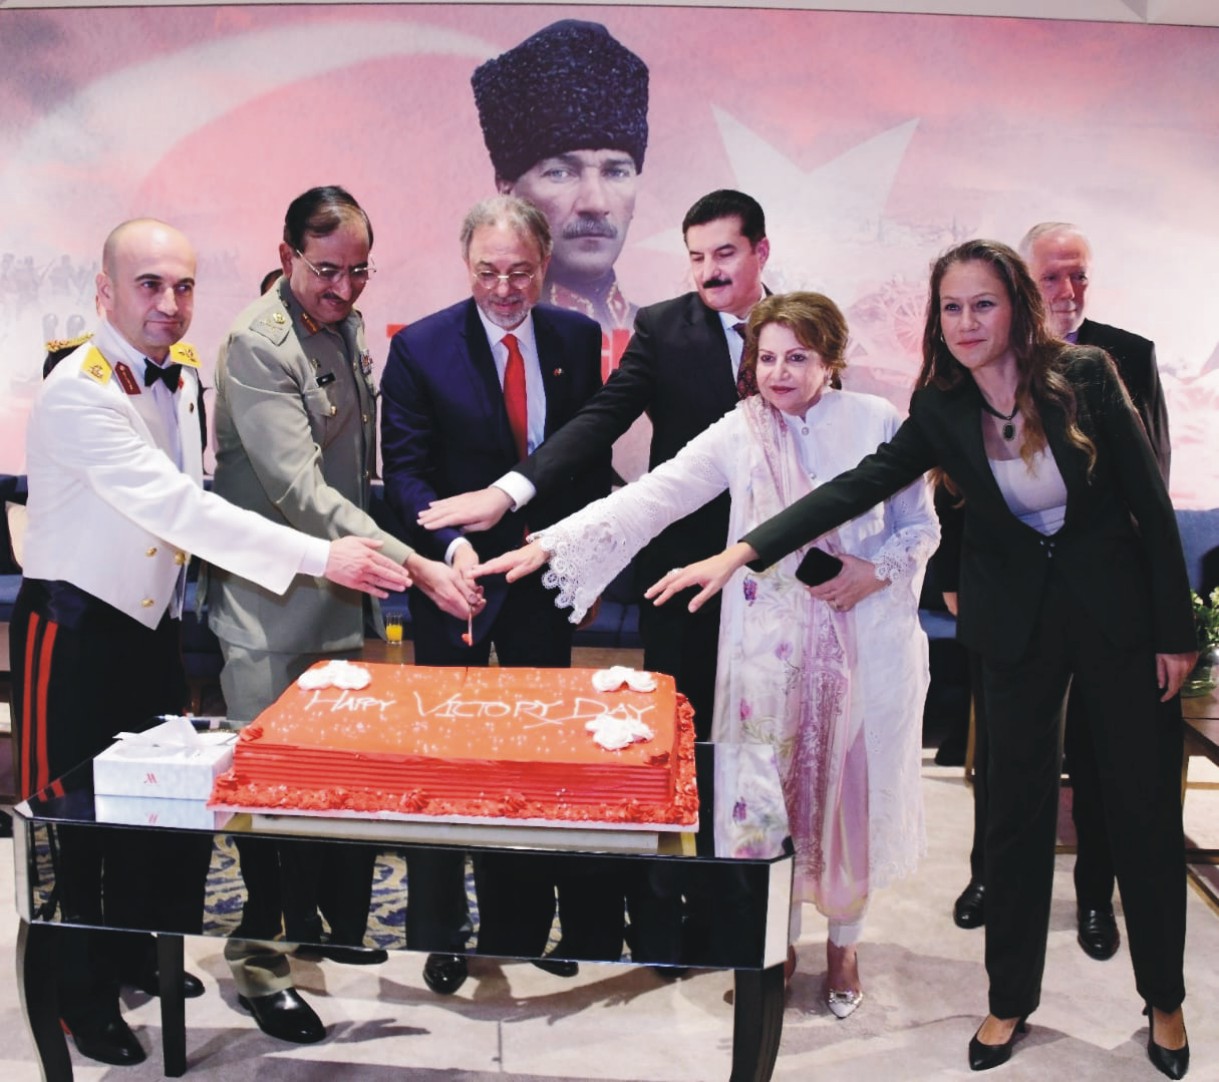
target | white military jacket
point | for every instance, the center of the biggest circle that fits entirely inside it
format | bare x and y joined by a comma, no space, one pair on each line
111,513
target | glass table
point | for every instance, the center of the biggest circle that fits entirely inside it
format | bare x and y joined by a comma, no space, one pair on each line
735,872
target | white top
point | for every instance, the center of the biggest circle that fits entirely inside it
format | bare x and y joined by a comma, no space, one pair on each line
1035,493
898,536
110,513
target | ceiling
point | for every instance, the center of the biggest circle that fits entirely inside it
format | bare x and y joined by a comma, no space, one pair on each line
1164,12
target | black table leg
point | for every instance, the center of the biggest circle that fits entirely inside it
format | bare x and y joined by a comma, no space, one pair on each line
36,974
173,1004
757,1023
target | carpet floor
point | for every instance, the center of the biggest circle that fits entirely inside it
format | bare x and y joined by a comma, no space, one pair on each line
924,981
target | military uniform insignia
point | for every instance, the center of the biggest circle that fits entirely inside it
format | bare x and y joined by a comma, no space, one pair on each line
311,324
273,326
60,345
620,311
366,363
184,354
126,378
96,367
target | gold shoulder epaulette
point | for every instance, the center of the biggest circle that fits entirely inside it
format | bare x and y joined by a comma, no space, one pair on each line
184,353
96,367
274,325
57,345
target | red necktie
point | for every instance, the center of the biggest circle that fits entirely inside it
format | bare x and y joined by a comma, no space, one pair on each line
515,400
746,381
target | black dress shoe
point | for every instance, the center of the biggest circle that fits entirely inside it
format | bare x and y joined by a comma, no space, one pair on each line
148,981
348,956
108,1042
969,910
445,973
285,1016
1173,1062
1098,933
560,967
982,1057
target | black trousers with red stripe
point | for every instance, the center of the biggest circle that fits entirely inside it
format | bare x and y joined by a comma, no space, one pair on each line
82,672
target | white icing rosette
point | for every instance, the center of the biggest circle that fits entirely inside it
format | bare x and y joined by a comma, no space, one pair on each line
335,674
615,676
613,732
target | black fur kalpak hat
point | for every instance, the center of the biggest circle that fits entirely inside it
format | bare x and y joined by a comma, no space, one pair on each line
570,86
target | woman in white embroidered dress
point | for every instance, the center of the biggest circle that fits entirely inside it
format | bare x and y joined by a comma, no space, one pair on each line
832,677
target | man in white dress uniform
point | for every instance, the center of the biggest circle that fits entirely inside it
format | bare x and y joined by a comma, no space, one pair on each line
115,508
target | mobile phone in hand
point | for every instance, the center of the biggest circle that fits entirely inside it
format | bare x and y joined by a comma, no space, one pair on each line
817,567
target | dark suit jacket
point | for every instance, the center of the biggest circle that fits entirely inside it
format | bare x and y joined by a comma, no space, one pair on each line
1118,547
676,368
1135,358
1136,363
444,428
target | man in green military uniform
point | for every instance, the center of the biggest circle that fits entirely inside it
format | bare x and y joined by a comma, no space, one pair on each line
295,441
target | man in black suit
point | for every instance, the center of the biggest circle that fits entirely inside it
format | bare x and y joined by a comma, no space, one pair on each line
469,392
681,368
1059,259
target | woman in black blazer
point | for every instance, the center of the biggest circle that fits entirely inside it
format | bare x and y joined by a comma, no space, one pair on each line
1071,576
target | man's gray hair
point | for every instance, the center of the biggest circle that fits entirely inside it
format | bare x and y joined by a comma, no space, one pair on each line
1043,229
518,214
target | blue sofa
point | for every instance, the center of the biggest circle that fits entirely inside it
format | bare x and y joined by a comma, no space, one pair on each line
13,489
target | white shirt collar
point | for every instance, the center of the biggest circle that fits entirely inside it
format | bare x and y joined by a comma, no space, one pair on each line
525,336
115,347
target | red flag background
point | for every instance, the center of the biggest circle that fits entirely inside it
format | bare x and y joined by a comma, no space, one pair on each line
873,141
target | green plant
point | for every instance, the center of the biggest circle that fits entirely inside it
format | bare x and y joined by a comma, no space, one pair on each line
1206,620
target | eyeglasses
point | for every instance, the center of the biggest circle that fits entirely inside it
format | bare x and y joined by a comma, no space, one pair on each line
333,275
516,279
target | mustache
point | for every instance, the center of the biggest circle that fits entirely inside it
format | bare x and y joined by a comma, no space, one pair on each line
713,283
590,227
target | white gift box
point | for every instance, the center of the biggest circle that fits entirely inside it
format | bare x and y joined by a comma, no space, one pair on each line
158,812
171,761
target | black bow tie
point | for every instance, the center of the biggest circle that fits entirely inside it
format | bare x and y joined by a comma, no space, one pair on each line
171,374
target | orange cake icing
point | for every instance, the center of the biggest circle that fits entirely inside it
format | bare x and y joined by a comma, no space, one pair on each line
482,742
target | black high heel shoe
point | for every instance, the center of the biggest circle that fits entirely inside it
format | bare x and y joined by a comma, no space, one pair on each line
1173,1062
982,1057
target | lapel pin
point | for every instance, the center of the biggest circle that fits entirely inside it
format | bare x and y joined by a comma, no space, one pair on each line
558,371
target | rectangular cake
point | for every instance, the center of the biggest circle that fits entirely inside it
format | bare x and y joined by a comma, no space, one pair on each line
498,743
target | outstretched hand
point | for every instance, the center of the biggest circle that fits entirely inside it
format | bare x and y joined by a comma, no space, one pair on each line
710,574
515,564
451,590
356,563
475,511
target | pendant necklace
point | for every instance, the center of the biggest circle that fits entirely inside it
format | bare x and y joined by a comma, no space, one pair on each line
1009,419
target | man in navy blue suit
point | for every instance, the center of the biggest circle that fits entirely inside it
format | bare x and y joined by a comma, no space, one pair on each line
468,393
